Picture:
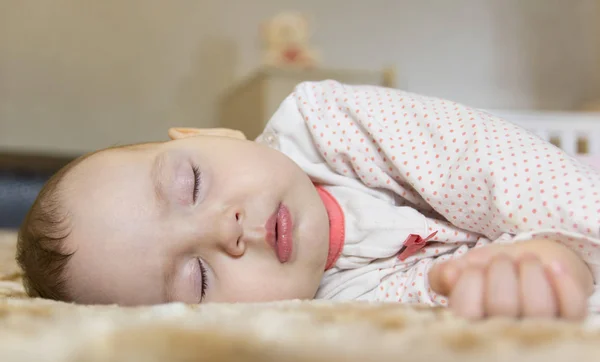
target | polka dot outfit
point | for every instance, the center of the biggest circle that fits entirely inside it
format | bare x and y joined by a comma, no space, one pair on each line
400,163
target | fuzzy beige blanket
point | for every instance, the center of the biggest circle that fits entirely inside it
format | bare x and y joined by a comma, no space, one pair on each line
39,330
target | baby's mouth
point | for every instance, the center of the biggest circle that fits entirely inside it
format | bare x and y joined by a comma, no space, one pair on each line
279,233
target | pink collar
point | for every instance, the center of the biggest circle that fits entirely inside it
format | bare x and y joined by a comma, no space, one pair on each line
336,226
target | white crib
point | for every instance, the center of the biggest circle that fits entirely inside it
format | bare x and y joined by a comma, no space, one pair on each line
575,133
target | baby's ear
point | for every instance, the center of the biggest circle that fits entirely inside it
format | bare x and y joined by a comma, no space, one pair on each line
180,133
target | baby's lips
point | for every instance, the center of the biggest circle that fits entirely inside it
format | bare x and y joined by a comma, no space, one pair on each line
270,229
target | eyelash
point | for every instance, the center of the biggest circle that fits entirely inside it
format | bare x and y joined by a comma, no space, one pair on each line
197,175
204,282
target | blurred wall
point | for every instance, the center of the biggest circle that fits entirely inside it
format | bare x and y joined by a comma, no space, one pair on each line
74,68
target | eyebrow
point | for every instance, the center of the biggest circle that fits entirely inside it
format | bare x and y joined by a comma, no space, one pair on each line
156,175
168,277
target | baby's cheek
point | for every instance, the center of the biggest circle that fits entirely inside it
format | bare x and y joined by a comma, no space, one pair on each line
259,286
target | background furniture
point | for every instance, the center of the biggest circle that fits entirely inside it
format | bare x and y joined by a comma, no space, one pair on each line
248,105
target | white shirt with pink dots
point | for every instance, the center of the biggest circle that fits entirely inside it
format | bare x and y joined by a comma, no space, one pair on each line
404,166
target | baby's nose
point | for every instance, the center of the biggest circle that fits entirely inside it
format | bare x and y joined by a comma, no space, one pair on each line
229,232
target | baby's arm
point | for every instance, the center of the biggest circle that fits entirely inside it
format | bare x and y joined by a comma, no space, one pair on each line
451,162
537,278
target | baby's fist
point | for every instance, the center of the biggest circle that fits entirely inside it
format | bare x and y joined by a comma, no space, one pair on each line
510,281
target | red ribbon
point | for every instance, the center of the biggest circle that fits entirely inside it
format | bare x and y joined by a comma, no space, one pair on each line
413,244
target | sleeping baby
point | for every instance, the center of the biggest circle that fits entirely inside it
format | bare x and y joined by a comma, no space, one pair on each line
351,193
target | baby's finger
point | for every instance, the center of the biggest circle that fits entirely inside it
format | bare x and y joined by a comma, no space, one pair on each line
480,257
443,277
502,288
572,300
466,299
538,300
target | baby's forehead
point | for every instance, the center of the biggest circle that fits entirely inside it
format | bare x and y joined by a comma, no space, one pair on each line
99,162
115,151
135,147
108,180
140,146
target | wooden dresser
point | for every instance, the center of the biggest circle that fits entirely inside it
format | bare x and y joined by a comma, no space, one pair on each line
248,105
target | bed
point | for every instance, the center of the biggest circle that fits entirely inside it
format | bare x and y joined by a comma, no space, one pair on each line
39,330
578,134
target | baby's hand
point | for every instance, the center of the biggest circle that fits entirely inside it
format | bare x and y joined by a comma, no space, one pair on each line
536,279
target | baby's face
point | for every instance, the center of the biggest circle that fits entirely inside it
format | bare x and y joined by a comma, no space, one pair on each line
190,220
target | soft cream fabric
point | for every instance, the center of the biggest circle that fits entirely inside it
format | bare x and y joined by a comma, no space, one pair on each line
40,330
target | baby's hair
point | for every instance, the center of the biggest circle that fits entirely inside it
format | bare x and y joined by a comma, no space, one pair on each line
40,253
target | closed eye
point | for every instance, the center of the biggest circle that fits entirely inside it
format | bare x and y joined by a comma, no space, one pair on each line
204,280
197,179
